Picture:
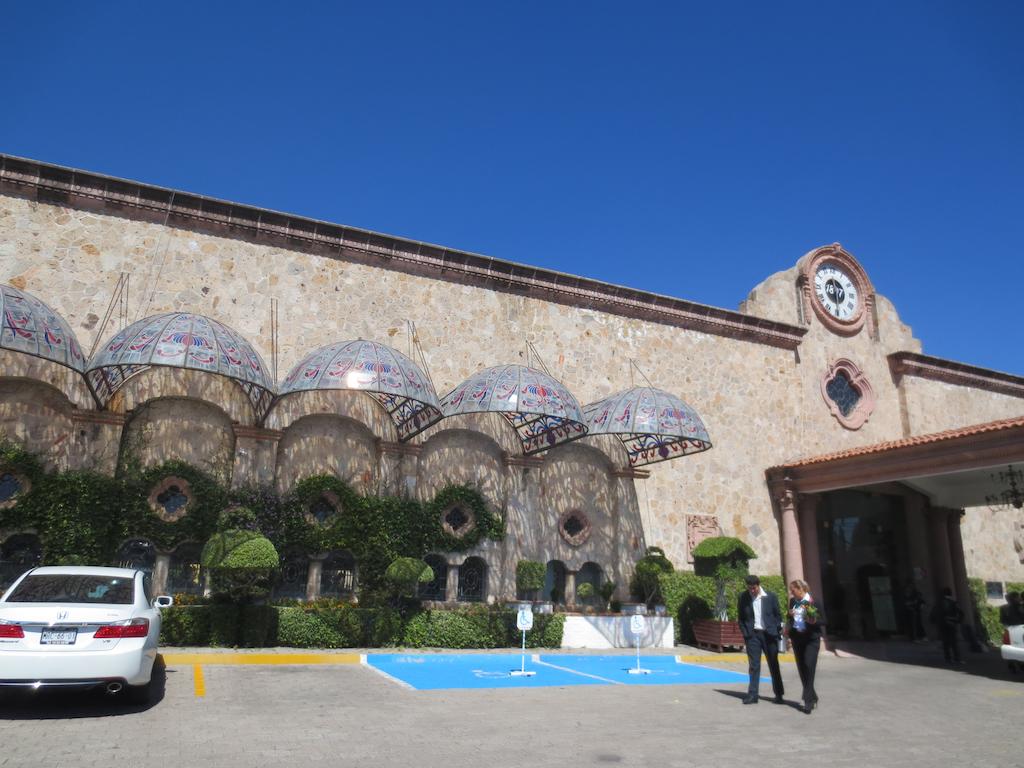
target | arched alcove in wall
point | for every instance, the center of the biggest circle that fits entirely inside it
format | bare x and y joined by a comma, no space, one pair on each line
38,417
198,433
324,444
158,382
462,457
352,404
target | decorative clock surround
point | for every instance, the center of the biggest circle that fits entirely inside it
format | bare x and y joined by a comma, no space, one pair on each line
848,394
836,289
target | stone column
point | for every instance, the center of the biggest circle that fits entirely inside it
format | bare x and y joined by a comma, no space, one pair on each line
917,535
809,543
960,585
313,575
792,556
451,589
161,570
942,565
570,587
255,456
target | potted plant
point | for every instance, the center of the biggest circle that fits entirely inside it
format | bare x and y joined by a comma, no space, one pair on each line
585,592
607,593
724,559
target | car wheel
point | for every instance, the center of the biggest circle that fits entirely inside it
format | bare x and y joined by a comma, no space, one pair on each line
139,694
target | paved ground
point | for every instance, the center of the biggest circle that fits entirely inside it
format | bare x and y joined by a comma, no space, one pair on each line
905,710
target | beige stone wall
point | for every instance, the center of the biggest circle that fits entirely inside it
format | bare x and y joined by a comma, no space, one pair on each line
37,417
994,543
935,406
762,405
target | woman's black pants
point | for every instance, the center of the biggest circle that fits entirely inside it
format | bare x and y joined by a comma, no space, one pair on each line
805,649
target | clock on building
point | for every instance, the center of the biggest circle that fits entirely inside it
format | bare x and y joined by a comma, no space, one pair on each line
836,289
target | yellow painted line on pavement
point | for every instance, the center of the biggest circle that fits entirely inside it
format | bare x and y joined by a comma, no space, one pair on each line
200,683
259,659
725,658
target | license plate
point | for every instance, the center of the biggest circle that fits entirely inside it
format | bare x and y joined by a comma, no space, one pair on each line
59,636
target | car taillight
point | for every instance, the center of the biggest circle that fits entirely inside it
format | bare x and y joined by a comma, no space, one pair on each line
1006,637
11,631
133,628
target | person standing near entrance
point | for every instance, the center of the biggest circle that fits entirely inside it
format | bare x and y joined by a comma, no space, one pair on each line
948,617
761,625
804,627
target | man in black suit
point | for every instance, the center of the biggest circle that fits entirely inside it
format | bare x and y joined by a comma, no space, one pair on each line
761,624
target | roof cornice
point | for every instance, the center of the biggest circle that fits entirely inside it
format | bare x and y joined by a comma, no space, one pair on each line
58,185
951,372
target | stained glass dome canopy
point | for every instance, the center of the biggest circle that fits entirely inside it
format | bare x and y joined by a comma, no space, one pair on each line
652,424
180,340
30,326
388,376
541,410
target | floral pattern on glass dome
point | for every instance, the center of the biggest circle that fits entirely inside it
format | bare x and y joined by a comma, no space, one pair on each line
652,424
540,409
180,340
385,374
30,326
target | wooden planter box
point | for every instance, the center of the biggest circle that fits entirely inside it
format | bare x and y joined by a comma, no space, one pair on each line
717,635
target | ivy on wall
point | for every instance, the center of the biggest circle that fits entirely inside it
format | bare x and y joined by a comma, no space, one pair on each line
83,516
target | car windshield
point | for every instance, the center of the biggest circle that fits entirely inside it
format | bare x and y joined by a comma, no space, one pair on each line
74,588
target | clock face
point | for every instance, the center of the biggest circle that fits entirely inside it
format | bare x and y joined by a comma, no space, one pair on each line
836,292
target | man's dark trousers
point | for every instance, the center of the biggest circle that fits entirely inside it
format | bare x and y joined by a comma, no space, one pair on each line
757,643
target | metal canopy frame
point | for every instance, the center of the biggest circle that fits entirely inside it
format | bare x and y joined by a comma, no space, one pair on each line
32,327
394,380
652,425
541,410
180,340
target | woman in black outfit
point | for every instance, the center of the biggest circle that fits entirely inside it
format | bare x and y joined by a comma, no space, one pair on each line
804,626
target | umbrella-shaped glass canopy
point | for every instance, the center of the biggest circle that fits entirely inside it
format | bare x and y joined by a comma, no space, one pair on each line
180,340
652,424
540,409
388,376
30,326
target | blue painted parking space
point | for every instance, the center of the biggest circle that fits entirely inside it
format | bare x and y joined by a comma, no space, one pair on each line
426,672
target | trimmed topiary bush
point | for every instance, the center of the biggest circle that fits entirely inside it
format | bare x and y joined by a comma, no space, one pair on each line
530,577
405,574
724,559
242,564
645,585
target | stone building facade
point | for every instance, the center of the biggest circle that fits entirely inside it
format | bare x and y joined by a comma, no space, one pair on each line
786,378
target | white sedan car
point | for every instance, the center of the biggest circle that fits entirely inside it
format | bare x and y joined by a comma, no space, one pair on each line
80,627
1013,644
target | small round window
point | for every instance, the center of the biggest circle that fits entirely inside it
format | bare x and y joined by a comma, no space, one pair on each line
323,509
574,527
457,521
170,499
12,486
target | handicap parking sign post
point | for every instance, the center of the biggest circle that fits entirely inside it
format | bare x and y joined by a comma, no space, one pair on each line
524,622
638,625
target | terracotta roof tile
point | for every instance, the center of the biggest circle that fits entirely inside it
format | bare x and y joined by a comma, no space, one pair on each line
935,437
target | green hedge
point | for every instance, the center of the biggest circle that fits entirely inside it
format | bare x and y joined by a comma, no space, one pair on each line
689,597
333,624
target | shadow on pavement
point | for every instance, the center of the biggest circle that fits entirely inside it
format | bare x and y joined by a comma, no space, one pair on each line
985,663
49,704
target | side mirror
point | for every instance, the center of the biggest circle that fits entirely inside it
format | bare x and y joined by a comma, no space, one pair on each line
164,601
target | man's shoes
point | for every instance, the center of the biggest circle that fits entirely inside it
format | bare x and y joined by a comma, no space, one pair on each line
778,699
808,708
750,700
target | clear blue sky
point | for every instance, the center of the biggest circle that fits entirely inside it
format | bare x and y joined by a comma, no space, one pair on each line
689,149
